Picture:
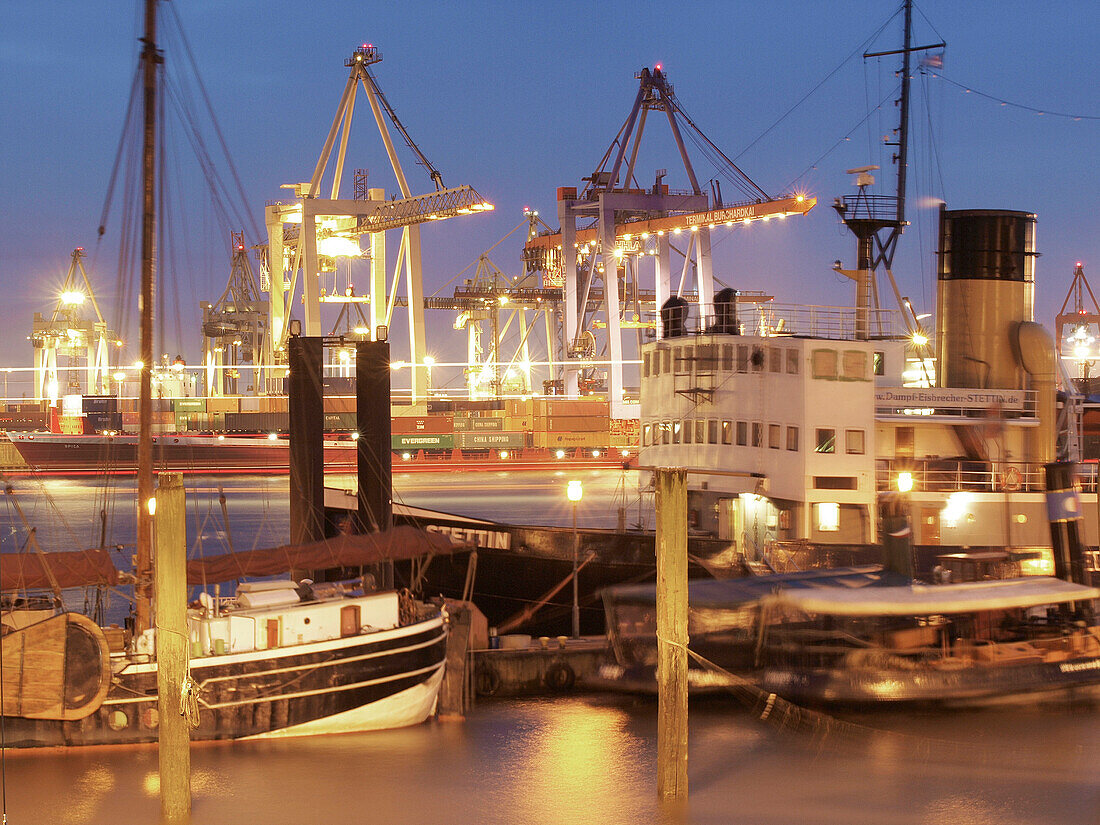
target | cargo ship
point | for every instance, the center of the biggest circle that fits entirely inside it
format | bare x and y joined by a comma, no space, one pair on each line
94,434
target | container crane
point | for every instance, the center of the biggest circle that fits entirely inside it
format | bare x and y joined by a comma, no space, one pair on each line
235,328
300,232
627,221
67,332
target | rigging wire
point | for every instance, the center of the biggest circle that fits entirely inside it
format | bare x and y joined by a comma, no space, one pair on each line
846,137
174,17
1008,103
820,83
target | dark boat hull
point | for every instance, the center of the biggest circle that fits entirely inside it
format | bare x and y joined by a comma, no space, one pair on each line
1074,679
371,681
52,453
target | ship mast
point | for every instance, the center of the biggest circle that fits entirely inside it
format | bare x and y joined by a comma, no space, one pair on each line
150,60
878,221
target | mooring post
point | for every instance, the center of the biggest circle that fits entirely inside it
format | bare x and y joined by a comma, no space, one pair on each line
172,642
672,634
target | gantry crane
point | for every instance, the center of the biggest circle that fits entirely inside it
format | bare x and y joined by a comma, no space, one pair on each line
69,334
299,231
627,222
1083,325
235,328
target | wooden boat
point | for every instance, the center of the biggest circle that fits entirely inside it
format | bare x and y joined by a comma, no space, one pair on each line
1015,639
864,636
279,658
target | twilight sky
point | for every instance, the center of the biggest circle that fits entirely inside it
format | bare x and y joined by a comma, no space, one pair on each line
519,98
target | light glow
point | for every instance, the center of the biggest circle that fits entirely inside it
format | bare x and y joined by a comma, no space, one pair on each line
574,491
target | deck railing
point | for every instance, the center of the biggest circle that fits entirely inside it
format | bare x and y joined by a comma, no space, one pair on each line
955,475
767,319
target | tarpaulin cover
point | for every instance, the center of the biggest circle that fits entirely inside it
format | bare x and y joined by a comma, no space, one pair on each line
71,568
340,551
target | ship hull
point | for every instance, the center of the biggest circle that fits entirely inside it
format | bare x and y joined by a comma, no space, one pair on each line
384,679
52,453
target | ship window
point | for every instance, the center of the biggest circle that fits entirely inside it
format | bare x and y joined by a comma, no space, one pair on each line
645,365
742,433
676,427
687,432
757,434
826,441
775,359
645,435
712,431
792,439
727,357
757,359
879,362
666,360
855,365
854,442
903,442
727,432
792,362
742,357
683,356
706,358
775,432
828,516
700,431
824,363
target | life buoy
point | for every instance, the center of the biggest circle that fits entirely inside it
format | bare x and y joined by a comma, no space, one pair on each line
559,677
1010,478
486,680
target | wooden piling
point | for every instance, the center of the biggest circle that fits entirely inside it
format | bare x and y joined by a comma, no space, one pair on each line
672,634
174,732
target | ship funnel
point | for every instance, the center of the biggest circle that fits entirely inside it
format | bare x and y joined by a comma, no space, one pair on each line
674,317
986,287
725,312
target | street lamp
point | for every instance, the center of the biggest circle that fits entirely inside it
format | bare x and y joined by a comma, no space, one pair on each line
574,492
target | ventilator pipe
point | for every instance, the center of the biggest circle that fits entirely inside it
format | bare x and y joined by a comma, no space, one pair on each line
1034,350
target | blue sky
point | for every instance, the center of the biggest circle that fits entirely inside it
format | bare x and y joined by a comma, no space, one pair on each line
517,99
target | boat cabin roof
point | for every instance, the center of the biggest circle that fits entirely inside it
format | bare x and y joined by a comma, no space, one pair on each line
727,593
927,600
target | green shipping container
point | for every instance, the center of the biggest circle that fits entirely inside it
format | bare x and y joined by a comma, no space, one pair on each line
422,441
190,405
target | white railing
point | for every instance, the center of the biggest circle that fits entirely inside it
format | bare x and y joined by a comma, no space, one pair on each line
954,475
769,319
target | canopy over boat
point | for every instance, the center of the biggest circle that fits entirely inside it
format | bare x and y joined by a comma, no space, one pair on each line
731,593
71,568
927,600
351,550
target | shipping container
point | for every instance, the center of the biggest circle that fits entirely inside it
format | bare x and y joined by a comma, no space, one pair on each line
477,405
520,407
437,407
486,423
408,410
228,404
98,422
549,408
340,404
553,440
250,404
99,403
423,441
72,424
22,422
274,404
524,423
339,422
338,385
434,424
490,441
573,424
188,405
256,422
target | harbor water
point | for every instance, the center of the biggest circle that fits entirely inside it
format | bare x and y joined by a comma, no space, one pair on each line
593,760
572,759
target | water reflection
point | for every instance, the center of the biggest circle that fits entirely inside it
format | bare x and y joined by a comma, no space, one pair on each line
593,760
